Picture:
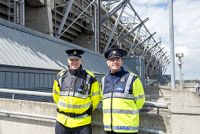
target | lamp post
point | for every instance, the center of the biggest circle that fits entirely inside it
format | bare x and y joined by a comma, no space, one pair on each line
171,41
180,63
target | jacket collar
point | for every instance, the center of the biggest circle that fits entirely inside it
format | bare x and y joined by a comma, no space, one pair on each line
76,72
120,73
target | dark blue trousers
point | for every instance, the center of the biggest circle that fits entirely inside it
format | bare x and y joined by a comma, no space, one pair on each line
111,132
60,129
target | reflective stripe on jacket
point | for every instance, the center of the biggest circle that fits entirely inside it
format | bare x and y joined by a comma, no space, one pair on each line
75,95
122,101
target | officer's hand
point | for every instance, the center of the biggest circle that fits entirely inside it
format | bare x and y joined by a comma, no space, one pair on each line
89,111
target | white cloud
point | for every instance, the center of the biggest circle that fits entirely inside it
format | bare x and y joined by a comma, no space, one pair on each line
149,2
187,29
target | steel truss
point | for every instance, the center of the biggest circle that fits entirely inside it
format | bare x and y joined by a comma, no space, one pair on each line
113,23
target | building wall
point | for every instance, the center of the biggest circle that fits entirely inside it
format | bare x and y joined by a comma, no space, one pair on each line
39,19
26,78
29,78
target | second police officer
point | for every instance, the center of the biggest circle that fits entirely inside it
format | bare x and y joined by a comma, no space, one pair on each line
123,96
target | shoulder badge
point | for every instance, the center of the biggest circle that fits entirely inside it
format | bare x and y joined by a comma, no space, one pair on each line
123,79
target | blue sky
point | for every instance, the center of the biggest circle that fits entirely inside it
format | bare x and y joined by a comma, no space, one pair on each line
187,30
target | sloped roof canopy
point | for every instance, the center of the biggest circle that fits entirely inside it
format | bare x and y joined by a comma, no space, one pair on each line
21,46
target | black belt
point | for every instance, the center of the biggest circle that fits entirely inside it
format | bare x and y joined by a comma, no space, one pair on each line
71,114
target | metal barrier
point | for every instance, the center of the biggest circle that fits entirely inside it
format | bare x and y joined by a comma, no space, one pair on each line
157,105
10,114
45,94
24,92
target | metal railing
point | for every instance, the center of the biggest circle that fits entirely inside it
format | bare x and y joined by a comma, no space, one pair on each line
45,94
156,104
24,92
41,117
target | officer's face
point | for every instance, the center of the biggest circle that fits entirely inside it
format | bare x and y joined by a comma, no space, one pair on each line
115,64
74,63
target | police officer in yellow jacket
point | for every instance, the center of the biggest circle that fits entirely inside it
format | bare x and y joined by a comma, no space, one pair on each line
123,96
76,93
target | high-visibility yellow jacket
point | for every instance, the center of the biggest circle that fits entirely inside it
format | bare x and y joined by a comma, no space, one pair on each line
123,97
76,96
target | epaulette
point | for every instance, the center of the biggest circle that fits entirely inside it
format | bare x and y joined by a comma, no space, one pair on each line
90,73
61,72
133,74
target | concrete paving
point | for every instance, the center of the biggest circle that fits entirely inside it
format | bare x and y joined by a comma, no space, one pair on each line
185,112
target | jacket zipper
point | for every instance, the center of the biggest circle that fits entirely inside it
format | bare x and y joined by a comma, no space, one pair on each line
113,85
111,107
74,85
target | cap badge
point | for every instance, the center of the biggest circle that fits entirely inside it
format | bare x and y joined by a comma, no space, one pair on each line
114,52
74,52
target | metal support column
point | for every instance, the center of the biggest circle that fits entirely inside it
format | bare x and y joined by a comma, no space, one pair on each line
67,10
77,17
15,11
114,29
108,15
97,25
22,12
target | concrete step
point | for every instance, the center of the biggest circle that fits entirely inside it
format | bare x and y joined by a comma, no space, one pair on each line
158,87
151,93
156,121
161,91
